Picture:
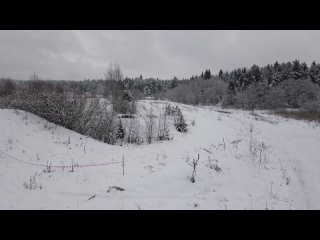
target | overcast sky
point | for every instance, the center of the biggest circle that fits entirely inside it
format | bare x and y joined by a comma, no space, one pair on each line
78,55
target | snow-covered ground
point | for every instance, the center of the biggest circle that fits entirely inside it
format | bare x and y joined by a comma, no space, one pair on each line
280,172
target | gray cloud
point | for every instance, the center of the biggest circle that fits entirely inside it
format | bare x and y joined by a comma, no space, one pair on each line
78,55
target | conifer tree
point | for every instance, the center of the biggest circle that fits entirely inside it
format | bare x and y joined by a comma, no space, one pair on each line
179,121
207,74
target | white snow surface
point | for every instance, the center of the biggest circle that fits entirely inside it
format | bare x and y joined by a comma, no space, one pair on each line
157,175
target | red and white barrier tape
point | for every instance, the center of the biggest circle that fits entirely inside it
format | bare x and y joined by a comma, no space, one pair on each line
61,166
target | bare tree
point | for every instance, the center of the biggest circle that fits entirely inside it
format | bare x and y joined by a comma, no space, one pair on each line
34,77
114,75
122,100
194,165
114,72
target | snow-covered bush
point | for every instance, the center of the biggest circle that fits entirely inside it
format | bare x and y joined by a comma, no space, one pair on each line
120,132
150,126
32,184
87,116
312,107
134,132
163,128
227,100
62,109
213,164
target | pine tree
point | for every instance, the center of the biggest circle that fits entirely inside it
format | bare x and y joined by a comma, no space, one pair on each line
255,73
147,91
314,72
179,121
174,82
276,76
231,87
266,74
296,70
207,74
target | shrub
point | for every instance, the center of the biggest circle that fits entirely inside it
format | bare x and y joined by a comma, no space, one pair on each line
120,133
163,128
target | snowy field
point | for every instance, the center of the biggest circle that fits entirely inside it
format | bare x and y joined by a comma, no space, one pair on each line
247,161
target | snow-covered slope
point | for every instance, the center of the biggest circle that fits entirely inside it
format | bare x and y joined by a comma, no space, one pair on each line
282,172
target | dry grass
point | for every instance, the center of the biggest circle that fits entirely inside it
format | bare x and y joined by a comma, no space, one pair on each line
299,115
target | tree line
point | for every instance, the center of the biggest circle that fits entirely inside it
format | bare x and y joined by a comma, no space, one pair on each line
291,84
280,85
274,86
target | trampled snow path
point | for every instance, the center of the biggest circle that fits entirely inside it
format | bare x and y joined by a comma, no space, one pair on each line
156,175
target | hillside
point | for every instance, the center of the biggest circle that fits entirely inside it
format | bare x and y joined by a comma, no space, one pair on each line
280,171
